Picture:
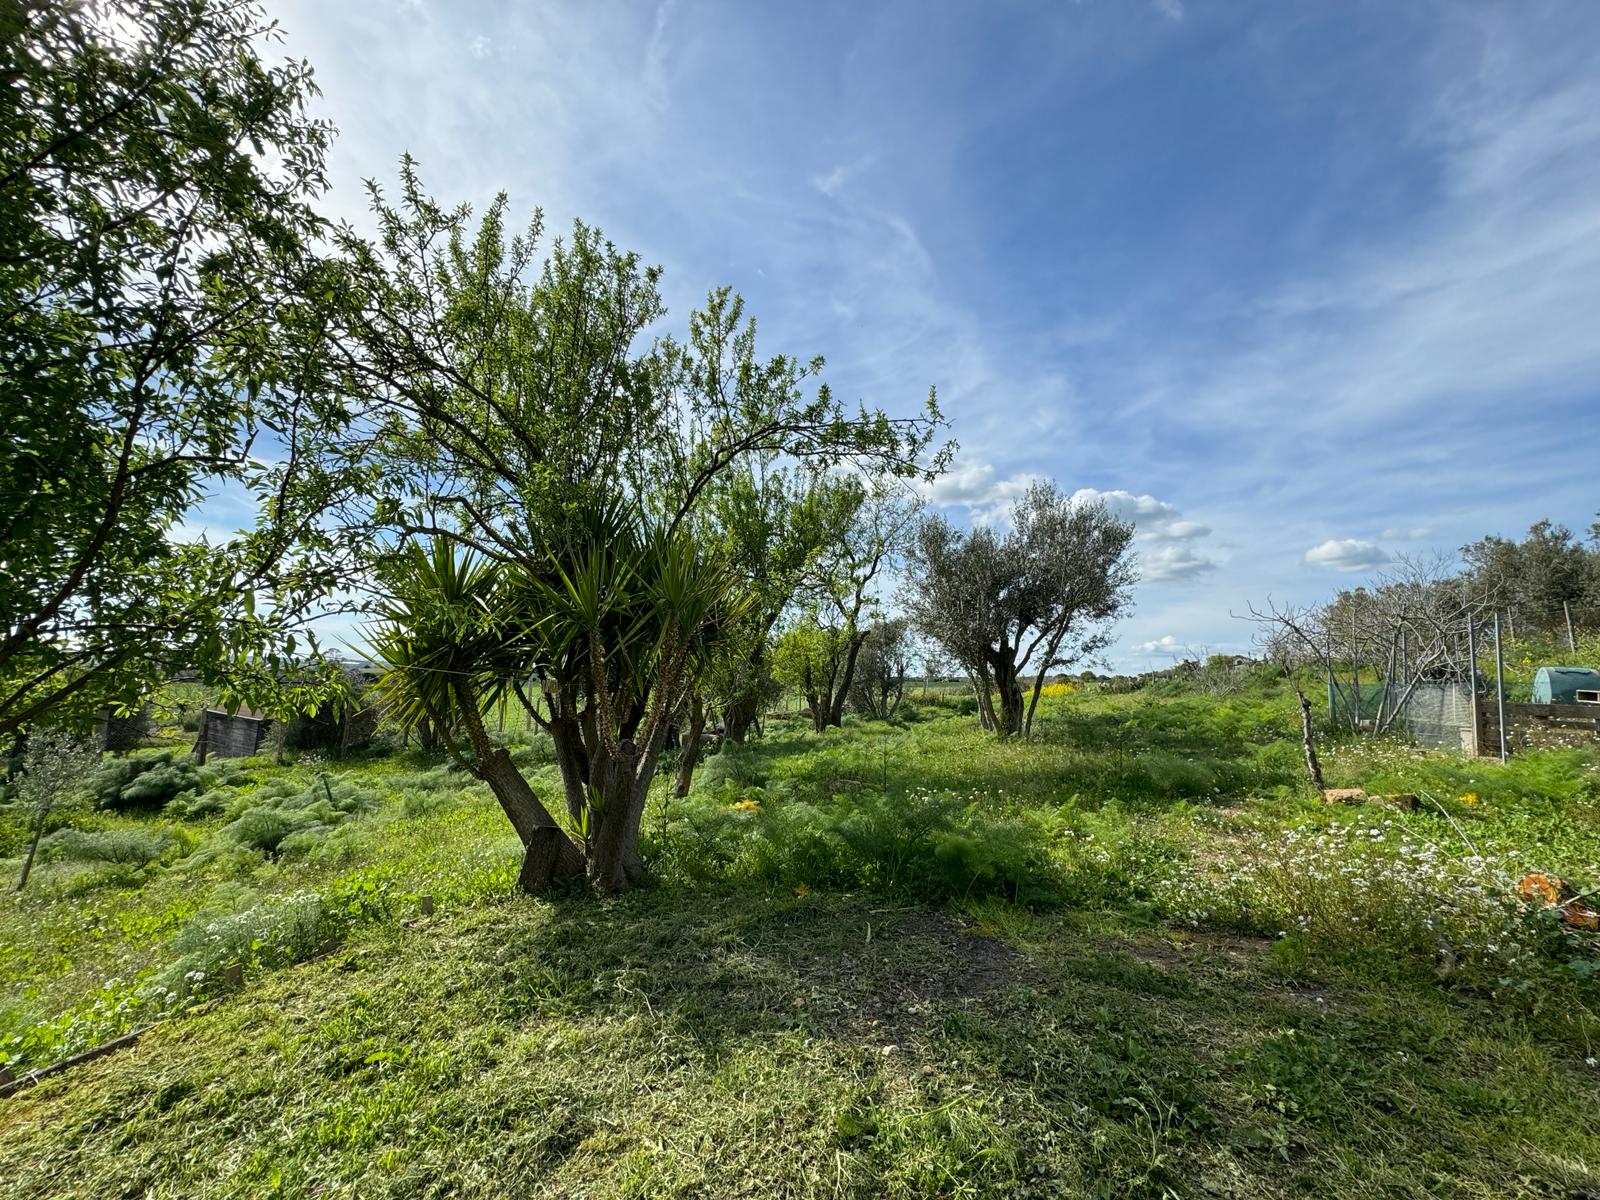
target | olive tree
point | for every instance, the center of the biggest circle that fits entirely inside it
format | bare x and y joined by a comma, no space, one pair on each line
881,668
55,764
161,325
1038,596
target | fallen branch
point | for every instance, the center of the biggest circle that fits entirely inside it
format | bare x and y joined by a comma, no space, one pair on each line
66,1064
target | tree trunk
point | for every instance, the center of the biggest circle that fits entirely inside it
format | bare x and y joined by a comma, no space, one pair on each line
547,852
1038,683
33,848
624,781
842,692
689,753
1313,767
566,734
1005,678
739,718
981,692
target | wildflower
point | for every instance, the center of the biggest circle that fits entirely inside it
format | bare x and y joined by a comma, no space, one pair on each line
1469,798
748,804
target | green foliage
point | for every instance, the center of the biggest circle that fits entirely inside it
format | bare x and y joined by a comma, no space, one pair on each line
158,307
287,817
148,781
923,844
123,847
784,986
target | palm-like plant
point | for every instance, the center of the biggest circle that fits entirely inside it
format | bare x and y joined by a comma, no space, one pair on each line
442,639
624,620
617,620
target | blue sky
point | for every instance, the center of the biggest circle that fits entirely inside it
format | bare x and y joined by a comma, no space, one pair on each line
1298,286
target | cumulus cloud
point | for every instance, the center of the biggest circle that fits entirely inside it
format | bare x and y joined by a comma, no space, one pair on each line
1165,563
1347,554
1156,520
976,486
1165,539
1165,644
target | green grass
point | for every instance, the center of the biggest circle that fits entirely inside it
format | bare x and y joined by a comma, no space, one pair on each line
1135,957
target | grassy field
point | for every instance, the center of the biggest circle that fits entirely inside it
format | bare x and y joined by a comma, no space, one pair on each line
1134,957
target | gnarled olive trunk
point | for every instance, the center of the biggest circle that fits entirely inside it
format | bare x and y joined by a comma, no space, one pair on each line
1008,720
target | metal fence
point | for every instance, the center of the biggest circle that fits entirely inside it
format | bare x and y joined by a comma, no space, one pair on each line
1435,714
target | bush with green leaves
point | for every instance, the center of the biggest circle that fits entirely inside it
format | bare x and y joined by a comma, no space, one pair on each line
287,816
124,847
148,781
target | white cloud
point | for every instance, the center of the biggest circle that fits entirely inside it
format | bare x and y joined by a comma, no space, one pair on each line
655,55
1163,536
1172,10
1346,554
1166,563
480,47
1165,644
831,182
1415,534
1157,521
974,485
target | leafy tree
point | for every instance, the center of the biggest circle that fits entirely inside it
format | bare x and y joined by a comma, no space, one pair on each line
810,657
1038,596
842,594
524,410
881,668
774,522
1533,579
159,326
54,767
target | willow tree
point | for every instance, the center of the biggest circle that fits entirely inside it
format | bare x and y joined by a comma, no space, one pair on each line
1037,596
522,400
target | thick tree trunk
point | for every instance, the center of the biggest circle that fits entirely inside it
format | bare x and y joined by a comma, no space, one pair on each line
739,718
547,852
1010,715
689,752
614,862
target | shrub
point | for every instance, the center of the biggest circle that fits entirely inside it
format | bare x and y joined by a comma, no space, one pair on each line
283,817
127,847
234,926
732,765
148,780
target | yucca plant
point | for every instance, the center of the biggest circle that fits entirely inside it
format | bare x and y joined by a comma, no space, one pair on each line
598,638
442,639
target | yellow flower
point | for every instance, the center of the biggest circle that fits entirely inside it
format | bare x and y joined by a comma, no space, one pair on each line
1470,798
747,805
